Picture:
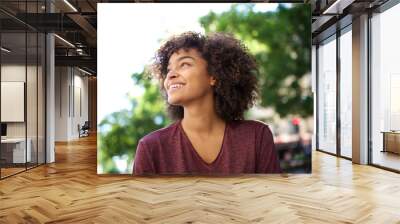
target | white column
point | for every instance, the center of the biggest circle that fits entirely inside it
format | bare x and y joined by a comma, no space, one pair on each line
360,90
50,93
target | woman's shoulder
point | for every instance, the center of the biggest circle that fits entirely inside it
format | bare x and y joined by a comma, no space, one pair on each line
251,130
160,135
250,124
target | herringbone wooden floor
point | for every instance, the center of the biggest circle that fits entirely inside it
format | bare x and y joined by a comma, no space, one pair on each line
69,191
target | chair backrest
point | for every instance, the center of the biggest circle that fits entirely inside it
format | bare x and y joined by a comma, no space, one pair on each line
86,125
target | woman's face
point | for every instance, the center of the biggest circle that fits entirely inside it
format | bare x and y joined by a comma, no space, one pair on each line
187,77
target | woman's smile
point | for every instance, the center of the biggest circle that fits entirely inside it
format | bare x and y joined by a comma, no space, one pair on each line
175,87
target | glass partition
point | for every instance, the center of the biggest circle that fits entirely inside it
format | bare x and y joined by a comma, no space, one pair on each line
14,150
22,77
327,95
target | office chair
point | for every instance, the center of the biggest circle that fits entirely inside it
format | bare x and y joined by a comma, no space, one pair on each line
84,130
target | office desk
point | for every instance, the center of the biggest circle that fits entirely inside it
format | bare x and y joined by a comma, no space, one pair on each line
15,148
391,141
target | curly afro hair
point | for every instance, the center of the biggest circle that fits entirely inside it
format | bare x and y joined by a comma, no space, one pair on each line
228,61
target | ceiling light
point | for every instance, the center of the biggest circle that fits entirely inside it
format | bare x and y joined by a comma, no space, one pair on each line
70,5
338,6
64,40
5,49
86,72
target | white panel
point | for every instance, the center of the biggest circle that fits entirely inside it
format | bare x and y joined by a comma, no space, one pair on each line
12,101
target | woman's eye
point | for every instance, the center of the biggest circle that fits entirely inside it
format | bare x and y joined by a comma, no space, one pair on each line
183,64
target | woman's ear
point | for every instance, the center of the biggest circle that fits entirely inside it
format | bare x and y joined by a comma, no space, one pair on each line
213,81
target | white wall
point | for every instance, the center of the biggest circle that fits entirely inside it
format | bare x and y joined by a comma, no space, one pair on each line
12,73
71,94
62,81
80,110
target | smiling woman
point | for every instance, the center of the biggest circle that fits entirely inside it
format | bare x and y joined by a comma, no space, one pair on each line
208,83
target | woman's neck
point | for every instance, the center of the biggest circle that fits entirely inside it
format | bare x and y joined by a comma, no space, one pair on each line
201,118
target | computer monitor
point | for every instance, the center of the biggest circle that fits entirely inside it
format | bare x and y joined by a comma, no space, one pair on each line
3,129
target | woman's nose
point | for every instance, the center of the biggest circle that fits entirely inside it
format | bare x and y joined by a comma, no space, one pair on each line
171,74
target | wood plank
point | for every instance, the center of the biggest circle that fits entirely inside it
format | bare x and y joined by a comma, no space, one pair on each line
70,191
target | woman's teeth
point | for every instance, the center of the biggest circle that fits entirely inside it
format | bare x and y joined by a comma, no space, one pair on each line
176,86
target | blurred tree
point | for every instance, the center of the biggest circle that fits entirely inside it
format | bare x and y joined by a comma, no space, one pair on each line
281,42
121,131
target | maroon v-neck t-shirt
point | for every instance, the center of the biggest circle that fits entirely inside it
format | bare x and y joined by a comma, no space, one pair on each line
247,147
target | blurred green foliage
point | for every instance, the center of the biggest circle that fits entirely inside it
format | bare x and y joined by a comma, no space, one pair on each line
279,40
121,131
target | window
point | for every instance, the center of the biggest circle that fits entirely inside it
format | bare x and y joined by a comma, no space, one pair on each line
327,95
385,87
346,92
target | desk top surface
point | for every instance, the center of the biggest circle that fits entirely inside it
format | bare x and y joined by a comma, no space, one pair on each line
391,132
13,140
